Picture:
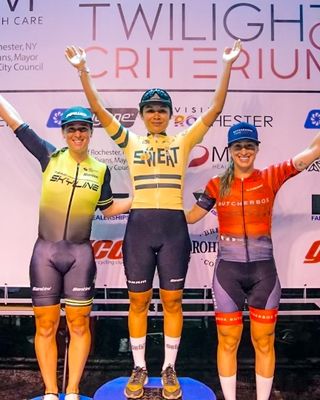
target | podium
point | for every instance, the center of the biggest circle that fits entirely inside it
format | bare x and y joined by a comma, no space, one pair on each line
191,390
61,397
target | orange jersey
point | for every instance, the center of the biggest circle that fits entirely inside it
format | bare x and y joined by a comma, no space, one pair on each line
245,214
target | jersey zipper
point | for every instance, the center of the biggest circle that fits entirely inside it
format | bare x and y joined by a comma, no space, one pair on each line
70,203
244,222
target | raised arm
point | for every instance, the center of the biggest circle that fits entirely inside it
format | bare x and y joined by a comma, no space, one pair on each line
302,160
77,57
229,57
9,114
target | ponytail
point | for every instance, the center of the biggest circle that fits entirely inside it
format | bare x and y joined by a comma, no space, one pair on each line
226,180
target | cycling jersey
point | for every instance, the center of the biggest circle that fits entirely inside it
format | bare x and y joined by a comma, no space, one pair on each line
245,214
71,191
157,163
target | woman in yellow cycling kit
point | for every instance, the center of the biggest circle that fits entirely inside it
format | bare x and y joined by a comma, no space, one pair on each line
156,234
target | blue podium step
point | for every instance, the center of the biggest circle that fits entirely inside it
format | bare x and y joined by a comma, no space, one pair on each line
191,390
61,397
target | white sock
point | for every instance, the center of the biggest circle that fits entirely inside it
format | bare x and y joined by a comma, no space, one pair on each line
228,386
171,347
138,347
263,387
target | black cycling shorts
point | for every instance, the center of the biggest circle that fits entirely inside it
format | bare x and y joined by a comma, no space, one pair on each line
62,269
156,238
236,282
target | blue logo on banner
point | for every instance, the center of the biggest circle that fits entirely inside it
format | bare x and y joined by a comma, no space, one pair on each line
313,120
54,120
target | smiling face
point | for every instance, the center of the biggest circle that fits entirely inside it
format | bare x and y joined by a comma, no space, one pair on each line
156,117
77,136
243,153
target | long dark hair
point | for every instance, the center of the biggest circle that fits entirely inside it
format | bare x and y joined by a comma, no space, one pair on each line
226,179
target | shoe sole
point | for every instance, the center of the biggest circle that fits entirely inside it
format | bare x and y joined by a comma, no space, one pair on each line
171,397
129,397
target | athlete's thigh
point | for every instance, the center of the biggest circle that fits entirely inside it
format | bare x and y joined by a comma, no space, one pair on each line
79,279
45,280
174,254
227,292
139,257
266,292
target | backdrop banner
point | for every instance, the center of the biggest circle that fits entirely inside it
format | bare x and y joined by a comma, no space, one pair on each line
134,45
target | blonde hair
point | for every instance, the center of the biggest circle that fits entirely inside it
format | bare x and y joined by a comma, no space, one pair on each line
226,179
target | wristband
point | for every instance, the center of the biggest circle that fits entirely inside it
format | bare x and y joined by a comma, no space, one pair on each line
84,69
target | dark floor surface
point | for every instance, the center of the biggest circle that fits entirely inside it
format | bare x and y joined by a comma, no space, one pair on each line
297,346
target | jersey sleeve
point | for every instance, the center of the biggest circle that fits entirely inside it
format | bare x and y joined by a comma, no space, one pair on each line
195,133
278,174
37,146
118,133
208,199
106,198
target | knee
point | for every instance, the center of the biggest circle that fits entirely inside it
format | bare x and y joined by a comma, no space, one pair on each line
139,304
172,305
228,344
79,326
264,344
46,328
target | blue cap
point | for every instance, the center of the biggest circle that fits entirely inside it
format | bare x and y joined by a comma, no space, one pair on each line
242,131
76,114
155,95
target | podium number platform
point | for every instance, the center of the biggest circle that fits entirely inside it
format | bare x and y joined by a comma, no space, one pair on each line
191,390
61,397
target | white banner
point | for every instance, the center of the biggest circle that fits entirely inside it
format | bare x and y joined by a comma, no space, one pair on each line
131,46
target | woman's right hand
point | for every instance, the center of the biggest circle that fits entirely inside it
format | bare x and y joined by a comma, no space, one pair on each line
76,57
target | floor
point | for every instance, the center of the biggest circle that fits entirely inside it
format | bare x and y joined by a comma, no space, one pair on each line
297,347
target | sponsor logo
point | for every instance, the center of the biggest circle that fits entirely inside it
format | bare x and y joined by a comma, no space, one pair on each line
126,116
81,289
315,207
177,280
313,120
200,155
314,167
107,249
185,117
199,159
137,282
313,254
41,289
203,246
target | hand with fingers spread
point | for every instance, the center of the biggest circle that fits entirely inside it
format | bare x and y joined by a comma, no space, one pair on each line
231,54
77,57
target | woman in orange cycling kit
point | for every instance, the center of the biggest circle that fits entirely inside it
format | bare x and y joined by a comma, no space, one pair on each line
157,233
245,268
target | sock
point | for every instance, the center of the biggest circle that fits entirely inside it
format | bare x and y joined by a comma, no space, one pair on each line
263,387
228,385
138,347
171,347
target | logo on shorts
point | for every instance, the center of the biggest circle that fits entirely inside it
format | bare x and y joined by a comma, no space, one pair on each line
41,289
81,289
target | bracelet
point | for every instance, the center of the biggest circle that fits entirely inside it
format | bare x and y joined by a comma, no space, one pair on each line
85,69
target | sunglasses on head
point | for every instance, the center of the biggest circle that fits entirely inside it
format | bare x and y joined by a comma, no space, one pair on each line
161,93
244,145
